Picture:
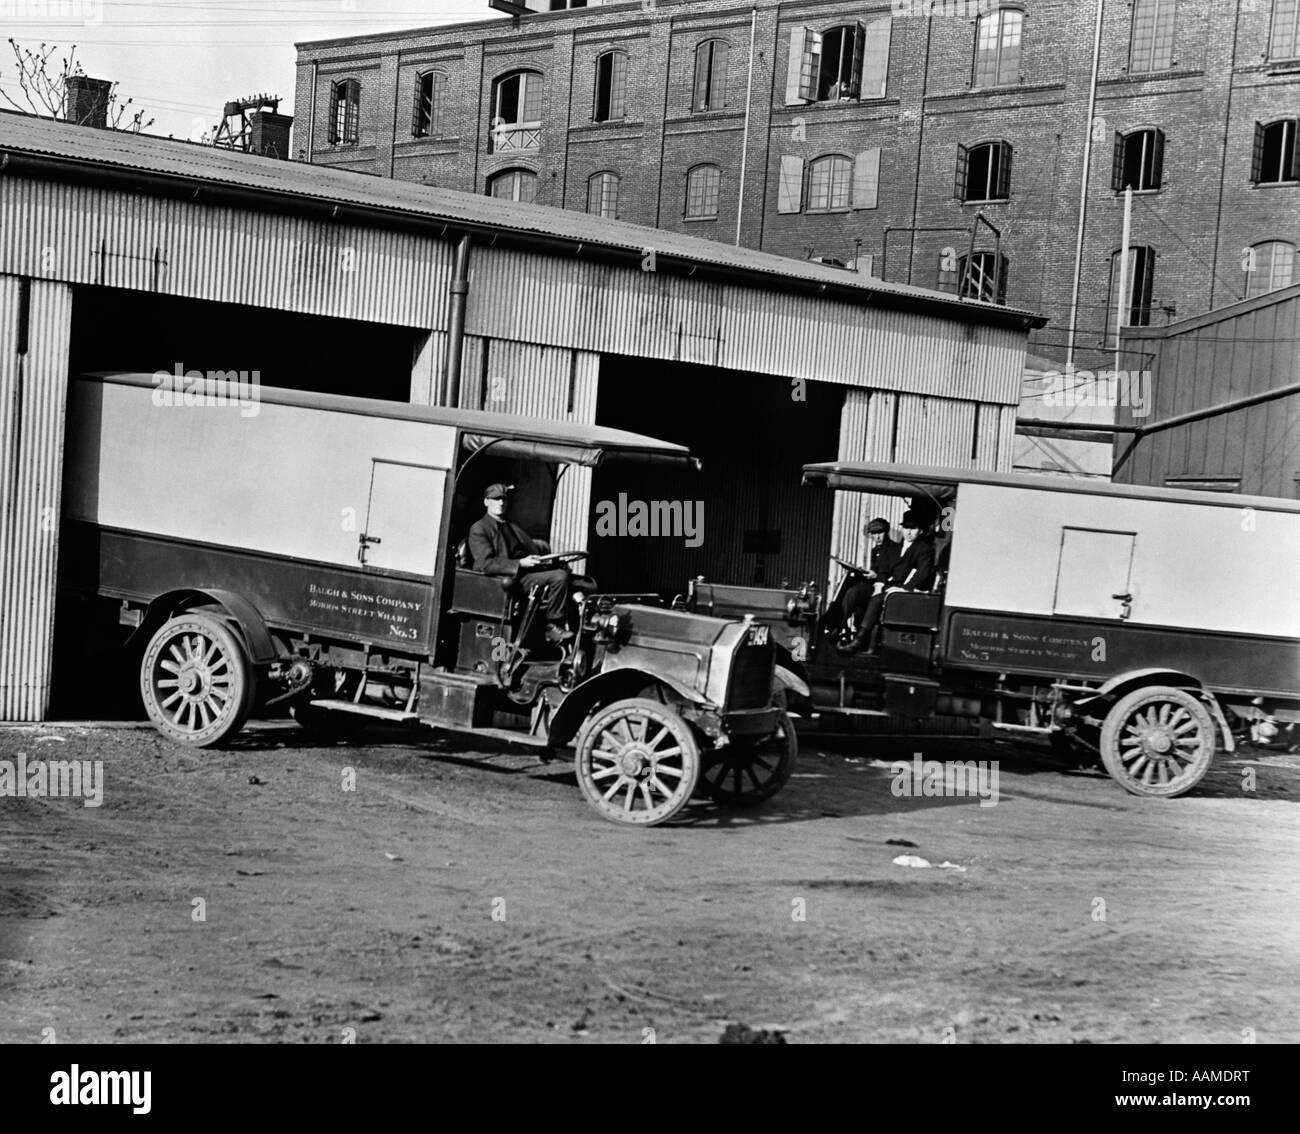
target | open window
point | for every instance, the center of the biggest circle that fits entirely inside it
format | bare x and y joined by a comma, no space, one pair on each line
1275,159
983,276
847,62
1139,160
983,172
1136,299
611,87
345,112
428,116
516,123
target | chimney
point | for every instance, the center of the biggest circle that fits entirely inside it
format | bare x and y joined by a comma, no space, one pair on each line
87,101
269,134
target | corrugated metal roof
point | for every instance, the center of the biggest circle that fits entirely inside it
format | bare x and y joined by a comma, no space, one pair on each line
94,149
897,479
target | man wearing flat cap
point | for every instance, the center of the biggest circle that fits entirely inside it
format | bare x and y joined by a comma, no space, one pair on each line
912,571
882,553
502,548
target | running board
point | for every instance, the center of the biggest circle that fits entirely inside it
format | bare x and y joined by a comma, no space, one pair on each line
362,710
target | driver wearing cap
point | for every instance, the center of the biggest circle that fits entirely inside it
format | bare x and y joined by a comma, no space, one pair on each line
502,548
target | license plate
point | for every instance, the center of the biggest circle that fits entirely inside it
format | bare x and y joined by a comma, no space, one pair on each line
757,635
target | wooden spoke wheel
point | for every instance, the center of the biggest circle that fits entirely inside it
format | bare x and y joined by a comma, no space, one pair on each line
745,773
637,762
196,681
1158,741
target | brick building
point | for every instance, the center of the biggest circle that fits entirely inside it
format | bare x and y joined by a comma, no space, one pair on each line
872,135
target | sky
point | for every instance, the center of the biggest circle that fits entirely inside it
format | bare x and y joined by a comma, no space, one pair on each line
182,60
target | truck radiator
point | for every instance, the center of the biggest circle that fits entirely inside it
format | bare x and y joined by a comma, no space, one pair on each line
751,678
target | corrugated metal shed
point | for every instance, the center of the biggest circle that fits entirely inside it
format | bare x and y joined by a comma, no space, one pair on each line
1233,352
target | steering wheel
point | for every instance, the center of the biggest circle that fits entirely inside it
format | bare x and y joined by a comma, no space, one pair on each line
851,566
564,557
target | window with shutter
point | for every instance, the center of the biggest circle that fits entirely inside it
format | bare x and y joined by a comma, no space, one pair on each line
1002,181
875,62
1276,157
345,98
984,172
963,168
710,90
1136,300
1140,157
866,178
841,49
789,187
430,99
803,67
611,87
829,180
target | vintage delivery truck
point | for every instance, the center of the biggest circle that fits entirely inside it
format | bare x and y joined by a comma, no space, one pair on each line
1142,626
308,551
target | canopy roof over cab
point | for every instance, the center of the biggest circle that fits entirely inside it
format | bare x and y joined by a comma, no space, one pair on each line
505,435
940,484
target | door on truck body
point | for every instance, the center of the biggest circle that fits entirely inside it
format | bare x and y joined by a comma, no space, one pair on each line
403,529
1092,575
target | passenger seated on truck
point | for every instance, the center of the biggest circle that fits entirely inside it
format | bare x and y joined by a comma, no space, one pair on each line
502,548
879,557
913,571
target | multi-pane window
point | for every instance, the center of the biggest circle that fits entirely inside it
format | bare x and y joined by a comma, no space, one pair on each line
1135,305
1152,48
1139,160
1268,266
1275,157
833,183
514,185
983,172
517,112
997,47
846,62
345,111
828,183
710,90
428,118
602,195
702,184
611,87
983,276
1284,36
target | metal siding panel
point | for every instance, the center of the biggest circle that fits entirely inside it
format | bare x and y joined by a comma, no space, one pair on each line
33,404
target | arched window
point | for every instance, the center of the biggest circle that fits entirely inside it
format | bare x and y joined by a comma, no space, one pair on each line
513,185
841,66
997,48
983,276
710,91
983,172
345,111
1268,266
702,185
1139,160
829,179
516,120
428,117
602,194
611,87
1152,46
1136,299
850,61
1276,157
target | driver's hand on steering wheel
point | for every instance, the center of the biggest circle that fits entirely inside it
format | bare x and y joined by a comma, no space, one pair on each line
530,561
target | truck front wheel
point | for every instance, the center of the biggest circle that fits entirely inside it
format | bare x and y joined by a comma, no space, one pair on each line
637,762
1158,741
196,681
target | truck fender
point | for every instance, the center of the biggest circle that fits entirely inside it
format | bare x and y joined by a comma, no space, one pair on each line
252,629
788,680
604,688
1124,683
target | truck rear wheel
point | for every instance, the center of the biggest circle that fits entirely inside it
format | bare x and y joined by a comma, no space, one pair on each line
637,762
1158,741
745,773
195,680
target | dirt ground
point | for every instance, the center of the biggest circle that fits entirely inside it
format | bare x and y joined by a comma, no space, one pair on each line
461,895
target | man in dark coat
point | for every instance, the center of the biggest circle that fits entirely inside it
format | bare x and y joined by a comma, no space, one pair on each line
502,548
912,571
882,554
